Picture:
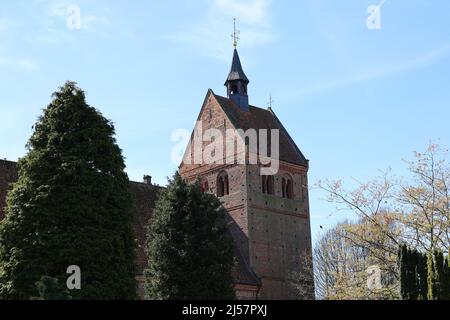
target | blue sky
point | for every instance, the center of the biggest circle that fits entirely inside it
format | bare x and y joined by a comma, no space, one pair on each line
355,100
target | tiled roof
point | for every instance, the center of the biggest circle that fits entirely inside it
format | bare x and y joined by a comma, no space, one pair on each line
258,118
242,273
145,197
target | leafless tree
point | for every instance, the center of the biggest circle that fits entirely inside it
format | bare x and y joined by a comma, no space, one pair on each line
391,212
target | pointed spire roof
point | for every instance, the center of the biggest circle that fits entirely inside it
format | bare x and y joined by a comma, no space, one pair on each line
236,72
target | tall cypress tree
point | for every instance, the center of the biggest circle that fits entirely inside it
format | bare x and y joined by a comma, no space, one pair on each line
70,206
422,273
439,275
413,274
190,249
403,269
431,277
446,280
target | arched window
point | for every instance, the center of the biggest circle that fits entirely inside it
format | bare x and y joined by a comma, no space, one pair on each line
267,184
205,186
227,186
223,186
287,187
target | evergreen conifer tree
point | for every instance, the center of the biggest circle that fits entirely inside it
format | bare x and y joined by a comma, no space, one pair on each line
402,266
190,249
70,206
431,277
422,273
439,275
413,274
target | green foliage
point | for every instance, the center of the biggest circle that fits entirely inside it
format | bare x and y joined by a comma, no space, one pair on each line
439,274
411,269
412,274
50,289
423,276
438,277
403,270
446,282
422,273
190,249
70,206
431,277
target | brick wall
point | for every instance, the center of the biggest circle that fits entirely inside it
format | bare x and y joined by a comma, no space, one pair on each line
272,233
279,231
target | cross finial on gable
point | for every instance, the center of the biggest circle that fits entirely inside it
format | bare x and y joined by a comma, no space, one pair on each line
271,101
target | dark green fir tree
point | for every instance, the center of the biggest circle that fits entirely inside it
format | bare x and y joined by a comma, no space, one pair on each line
431,277
50,289
70,206
446,279
422,273
403,270
412,267
190,249
439,275
413,278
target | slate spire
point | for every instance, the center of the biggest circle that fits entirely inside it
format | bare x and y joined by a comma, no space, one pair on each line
237,83
236,72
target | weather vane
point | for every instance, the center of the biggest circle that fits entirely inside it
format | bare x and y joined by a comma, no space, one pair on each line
235,35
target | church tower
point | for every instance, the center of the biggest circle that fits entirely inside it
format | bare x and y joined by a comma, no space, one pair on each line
268,215
237,84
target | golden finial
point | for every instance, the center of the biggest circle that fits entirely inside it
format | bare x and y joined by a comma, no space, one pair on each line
235,35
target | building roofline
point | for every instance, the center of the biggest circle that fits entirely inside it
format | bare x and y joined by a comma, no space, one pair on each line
292,142
8,161
289,136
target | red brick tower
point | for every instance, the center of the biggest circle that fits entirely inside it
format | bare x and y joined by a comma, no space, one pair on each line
268,214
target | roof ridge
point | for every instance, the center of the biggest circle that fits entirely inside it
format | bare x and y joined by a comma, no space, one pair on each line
252,106
289,136
289,151
8,161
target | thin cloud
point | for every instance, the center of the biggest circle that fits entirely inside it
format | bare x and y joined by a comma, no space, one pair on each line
376,73
211,34
17,64
253,12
